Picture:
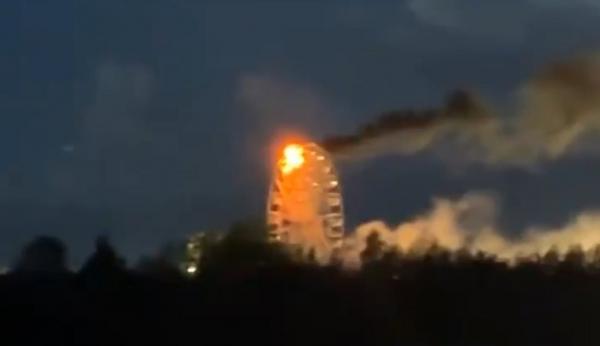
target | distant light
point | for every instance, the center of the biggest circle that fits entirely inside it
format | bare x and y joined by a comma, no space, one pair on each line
191,269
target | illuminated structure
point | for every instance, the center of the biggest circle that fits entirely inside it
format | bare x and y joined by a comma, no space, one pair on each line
305,207
193,253
197,247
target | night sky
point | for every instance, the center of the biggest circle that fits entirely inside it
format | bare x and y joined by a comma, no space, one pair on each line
150,120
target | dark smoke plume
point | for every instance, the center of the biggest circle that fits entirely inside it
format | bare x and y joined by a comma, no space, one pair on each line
461,107
554,110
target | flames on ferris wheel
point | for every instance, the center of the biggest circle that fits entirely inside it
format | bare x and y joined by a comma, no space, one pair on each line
305,207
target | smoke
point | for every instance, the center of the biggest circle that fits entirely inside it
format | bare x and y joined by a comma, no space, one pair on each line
470,223
555,110
277,101
411,131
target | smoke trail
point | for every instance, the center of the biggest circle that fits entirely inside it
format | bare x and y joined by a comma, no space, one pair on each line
410,131
469,223
554,110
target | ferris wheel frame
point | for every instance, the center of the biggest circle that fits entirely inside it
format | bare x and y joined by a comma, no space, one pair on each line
321,178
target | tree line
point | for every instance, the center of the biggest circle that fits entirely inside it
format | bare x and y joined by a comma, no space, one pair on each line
249,291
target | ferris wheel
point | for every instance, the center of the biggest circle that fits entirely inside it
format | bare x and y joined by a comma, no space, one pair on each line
305,207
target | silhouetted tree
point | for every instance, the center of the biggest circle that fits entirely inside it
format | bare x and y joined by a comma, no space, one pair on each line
552,257
528,259
438,254
158,268
104,262
462,255
43,255
173,252
252,230
574,258
374,248
594,257
439,298
311,256
243,249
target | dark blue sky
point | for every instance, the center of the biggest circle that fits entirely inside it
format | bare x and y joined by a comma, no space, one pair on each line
149,120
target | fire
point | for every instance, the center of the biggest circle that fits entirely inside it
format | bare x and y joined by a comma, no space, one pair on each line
293,158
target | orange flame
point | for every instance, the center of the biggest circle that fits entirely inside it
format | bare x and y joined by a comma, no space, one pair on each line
293,158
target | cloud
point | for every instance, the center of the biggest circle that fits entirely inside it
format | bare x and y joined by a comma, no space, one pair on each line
594,3
476,18
562,3
507,20
441,13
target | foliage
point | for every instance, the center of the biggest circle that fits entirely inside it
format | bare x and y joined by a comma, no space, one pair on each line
252,292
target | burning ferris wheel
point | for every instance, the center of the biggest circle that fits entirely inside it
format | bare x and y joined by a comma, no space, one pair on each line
305,207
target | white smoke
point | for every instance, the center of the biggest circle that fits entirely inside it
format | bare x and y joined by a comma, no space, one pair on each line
469,223
557,109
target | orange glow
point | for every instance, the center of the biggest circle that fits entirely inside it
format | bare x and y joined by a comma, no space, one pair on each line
293,158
